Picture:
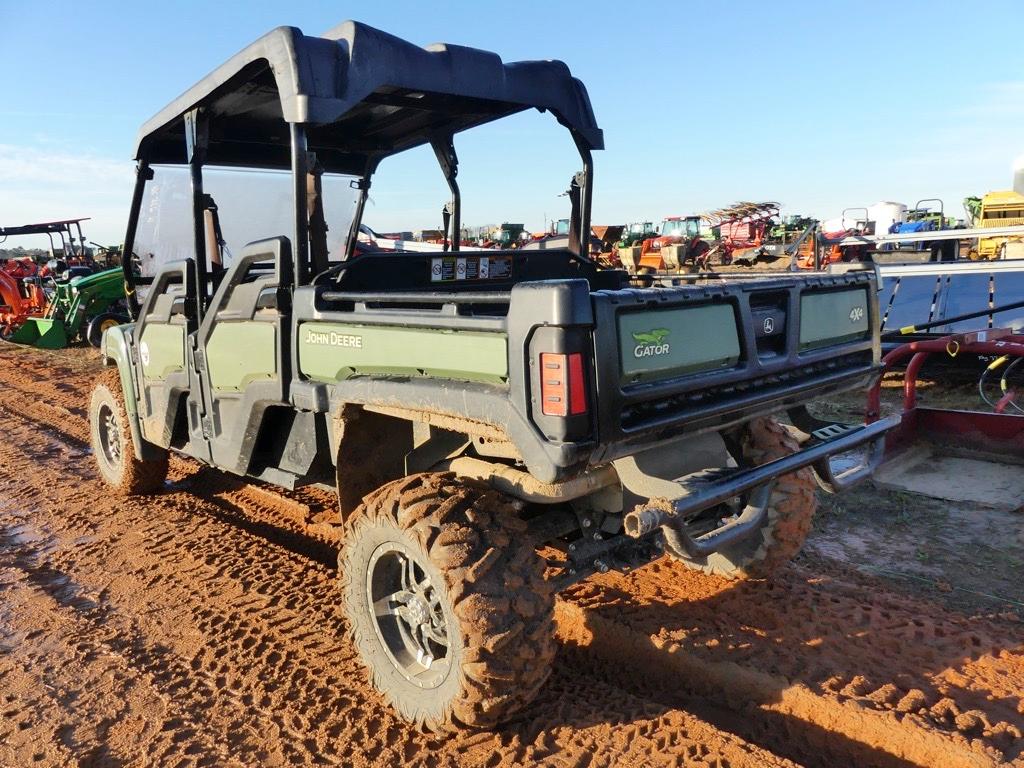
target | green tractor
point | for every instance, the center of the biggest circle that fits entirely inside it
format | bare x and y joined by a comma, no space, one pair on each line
636,233
80,306
508,235
789,228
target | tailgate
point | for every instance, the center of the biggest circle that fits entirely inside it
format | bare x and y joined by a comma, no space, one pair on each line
676,359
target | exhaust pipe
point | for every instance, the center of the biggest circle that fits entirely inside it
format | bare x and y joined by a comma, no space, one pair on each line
671,515
646,520
671,518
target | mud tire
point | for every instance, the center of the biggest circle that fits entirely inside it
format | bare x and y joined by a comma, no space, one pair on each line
499,608
790,513
126,474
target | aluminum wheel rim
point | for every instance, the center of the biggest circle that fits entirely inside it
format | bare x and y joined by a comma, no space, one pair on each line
408,616
110,436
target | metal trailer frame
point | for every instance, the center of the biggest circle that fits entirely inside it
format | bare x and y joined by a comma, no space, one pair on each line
992,435
937,234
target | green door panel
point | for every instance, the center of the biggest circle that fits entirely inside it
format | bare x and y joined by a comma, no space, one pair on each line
162,350
240,353
333,351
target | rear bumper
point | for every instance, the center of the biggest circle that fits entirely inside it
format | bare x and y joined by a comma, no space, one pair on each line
747,401
672,515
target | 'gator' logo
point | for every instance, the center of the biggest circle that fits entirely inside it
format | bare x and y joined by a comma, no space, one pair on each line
651,343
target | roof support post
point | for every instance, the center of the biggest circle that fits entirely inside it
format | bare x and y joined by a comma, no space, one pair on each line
300,246
444,149
585,182
197,139
363,185
143,173
81,240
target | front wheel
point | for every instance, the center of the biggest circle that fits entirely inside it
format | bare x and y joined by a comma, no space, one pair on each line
112,445
446,602
790,510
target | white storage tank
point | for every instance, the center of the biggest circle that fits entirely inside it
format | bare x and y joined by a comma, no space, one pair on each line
885,214
1018,175
834,226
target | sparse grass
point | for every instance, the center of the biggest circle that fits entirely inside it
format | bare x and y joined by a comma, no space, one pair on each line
972,558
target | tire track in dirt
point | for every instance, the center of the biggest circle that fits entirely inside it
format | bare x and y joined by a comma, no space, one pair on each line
212,626
822,670
903,676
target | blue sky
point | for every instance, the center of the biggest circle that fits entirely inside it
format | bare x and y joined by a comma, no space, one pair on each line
819,105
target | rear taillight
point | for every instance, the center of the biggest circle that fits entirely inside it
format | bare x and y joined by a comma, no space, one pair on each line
562,388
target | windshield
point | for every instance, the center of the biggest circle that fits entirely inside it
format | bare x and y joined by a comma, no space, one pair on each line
534,164
164,230
254,205
251,205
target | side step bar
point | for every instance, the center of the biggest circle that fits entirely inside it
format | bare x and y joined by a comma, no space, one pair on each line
671,515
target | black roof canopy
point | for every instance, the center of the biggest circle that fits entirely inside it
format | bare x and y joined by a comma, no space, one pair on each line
363,95
43,228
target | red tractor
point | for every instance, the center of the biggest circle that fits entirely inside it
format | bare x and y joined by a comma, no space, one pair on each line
21,295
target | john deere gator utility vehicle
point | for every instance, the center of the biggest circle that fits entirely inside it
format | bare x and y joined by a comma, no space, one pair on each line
498,424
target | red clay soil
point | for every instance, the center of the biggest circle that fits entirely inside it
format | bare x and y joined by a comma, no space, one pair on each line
200,627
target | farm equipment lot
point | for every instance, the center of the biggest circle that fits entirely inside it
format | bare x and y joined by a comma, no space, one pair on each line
201,627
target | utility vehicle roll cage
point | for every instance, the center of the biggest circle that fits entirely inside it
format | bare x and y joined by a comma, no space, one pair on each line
342,103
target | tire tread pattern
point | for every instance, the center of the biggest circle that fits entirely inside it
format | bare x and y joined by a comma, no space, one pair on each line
790,513
137,477
495,580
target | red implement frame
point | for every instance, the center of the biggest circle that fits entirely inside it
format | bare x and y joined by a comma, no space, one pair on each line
1000,434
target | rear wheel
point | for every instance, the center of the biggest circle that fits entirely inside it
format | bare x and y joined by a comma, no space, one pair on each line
112,445
446,603
790,510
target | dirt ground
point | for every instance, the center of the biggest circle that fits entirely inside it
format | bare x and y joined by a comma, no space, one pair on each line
200,627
